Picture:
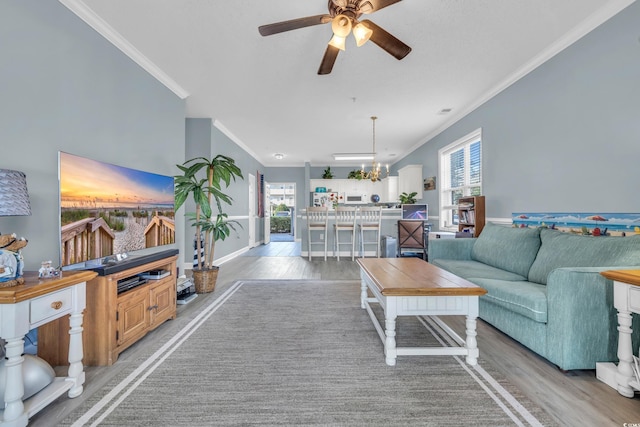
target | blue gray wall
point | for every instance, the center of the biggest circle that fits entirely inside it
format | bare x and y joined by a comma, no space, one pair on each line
566,137
64,87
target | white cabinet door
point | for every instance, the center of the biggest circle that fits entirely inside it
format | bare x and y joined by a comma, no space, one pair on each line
410,180
389,189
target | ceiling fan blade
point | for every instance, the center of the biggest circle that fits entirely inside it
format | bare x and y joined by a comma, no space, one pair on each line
386,41
293,24
376,5
328,60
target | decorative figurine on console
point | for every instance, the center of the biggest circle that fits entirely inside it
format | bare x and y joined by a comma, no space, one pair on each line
46,270
11,261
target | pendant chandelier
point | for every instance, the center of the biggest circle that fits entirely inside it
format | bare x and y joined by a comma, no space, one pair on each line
374,174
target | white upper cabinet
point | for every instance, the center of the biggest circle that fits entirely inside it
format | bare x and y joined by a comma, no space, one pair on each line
410,180
348,186
389,191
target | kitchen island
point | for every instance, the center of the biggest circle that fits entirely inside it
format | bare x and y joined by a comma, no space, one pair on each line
389,227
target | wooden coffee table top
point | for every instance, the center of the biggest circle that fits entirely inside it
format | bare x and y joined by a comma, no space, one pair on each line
415,277
631,277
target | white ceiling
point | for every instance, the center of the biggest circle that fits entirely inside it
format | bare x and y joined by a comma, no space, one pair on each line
264,91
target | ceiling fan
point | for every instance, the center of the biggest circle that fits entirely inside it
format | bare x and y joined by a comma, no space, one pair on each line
344,17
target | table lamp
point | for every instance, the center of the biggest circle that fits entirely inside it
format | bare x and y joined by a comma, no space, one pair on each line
14,198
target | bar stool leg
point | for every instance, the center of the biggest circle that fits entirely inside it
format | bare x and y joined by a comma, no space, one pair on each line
325,231
377,231
353,244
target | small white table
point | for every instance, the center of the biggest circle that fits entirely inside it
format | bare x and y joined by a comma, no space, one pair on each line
413,287
626,299
27,306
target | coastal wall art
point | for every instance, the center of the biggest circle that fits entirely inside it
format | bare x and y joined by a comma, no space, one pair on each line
592,223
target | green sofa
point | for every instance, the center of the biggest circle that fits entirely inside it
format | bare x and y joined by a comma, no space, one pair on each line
544,288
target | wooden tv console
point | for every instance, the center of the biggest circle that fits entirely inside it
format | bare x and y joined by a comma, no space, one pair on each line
113,322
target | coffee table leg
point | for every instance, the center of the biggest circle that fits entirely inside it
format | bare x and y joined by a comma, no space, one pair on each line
390,333
363,293
472,343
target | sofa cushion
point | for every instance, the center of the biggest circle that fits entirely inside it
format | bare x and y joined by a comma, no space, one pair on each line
525,298
466,269
560,249
507,248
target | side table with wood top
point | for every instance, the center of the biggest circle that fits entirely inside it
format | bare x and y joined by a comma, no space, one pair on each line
30,305
626,299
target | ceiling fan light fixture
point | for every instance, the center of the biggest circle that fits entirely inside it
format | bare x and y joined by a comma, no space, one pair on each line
338,42
341,26
361,33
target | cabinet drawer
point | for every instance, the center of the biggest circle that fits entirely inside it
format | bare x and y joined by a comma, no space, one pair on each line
634,299
51,305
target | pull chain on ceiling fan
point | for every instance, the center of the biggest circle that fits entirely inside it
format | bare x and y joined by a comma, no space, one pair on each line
344,16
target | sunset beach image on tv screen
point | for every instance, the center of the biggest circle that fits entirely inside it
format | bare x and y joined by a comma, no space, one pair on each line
107,209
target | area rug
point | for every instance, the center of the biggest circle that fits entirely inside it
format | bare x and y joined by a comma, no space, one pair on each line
302,353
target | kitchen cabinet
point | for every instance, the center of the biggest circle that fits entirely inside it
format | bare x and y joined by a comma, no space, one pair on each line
410,180
344,186
388,188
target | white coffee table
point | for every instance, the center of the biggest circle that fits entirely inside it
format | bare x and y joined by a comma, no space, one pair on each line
413,287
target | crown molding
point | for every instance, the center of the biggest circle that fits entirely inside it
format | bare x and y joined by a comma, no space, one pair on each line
585,27
222,128
85,13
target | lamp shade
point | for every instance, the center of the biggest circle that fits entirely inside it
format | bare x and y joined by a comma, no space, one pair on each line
341,26
14,198
338,42
361,33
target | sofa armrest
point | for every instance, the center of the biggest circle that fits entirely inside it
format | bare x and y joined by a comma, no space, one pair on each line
582,321
459,249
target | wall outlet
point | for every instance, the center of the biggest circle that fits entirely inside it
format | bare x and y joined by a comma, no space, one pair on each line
322,237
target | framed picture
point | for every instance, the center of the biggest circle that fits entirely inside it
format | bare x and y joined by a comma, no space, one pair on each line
430,183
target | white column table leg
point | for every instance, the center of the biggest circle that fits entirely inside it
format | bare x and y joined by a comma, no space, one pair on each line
76,370
14,413
471,341
390,332
625,353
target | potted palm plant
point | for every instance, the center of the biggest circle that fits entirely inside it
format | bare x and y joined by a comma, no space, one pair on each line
215,226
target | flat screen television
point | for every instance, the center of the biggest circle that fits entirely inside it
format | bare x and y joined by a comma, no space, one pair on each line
417,212
109,211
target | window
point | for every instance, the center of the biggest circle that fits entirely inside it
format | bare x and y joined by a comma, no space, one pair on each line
460,168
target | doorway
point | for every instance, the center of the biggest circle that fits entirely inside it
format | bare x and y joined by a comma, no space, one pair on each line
282,210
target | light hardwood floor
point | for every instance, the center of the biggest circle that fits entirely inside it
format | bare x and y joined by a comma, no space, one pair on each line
574,398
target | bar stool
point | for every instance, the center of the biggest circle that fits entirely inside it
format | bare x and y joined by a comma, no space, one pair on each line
317,220
370,220
345,221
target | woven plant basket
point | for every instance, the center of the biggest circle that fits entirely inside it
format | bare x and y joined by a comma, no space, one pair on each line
205,279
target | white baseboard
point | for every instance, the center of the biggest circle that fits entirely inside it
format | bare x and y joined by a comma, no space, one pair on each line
219,261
